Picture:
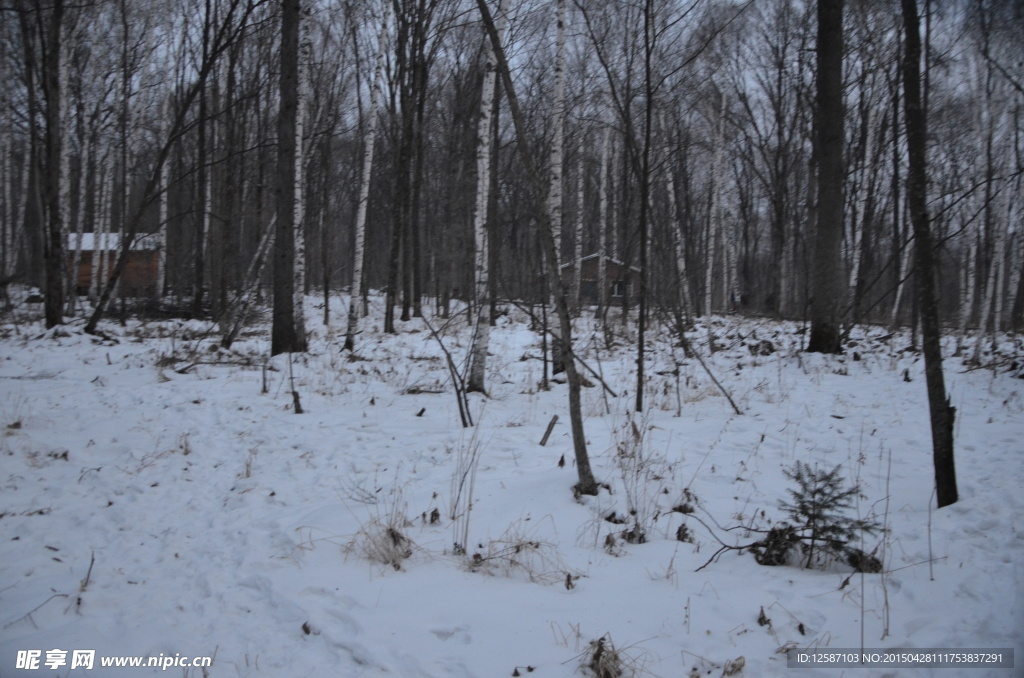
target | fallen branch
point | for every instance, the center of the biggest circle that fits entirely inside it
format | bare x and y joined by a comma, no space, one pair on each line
547,433
28,615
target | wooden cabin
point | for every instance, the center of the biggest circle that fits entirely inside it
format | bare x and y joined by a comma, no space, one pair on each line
141,273
619,280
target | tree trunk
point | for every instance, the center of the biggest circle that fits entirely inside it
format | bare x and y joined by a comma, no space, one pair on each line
942,413
161,276
645,198
716,225
301,153
285,337
682,296
369,138
56,183
202,191
587,484
79,223
558,142
478,357
827,293
233,22
577,234
602,226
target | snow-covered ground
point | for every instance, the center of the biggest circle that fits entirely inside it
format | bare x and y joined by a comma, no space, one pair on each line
155,501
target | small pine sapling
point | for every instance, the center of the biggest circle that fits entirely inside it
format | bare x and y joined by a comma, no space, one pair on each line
818,513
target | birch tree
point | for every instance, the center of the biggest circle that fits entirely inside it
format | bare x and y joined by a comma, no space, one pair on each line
557,152
577,232
6,193
478,356
716,225
369,140
586,483
602,225
301,151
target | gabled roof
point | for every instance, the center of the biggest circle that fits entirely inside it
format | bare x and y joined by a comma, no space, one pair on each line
112,241
610,260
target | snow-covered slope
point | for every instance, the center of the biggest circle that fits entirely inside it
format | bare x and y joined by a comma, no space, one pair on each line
155,501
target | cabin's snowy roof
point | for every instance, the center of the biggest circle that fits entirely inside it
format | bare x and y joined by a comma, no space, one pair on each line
112,241
610,260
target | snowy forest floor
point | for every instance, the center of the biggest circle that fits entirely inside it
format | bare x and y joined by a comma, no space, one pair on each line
154,500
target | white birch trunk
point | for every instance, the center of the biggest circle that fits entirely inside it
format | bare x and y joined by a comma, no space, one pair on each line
986,304
602,224
999,259
613,163
678,242
237,312
990,306
481,338
1004,215
1012,273
64,184
99,251
111,255
904,260
305,55
80,223
858,223
577,238
364,185
786,267
557,143
161,275
211,100
16,233
97,221
715,225
969,274
709,266
7,216
732,271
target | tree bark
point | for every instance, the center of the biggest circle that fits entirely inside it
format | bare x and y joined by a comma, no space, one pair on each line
942,413
827,293
478,358
369,138
602,226
56,179
285,337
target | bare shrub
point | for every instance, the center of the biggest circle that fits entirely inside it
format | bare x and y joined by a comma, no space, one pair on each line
602,660
382,539
519,553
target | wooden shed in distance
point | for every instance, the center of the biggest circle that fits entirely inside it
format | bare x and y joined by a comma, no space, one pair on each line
140,275
619,280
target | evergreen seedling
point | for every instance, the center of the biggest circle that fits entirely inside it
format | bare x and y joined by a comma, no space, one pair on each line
818,512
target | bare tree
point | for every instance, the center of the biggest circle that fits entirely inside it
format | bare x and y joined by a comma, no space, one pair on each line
286,334
586,484
482,305
827,287
228,22
942,413
369,139
47,29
